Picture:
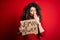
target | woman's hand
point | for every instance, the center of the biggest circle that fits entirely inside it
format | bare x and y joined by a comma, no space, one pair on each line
20,29
40,27
36,18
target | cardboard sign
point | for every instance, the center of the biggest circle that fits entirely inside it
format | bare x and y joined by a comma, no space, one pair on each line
29,27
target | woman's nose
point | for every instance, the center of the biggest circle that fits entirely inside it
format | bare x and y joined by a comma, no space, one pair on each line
33,12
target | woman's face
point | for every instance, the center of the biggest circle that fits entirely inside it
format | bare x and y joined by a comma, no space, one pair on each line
32,11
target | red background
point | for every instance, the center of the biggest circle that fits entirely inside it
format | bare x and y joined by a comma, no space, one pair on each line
11,12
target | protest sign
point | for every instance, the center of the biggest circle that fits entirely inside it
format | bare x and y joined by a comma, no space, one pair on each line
29,27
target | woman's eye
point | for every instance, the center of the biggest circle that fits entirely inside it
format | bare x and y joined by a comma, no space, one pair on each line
31,10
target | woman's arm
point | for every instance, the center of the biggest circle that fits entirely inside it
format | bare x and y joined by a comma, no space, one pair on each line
41,28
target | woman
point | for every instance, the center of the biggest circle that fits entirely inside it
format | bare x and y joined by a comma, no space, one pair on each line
32,11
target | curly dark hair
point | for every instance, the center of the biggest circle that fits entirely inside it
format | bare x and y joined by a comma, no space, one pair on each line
26,12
